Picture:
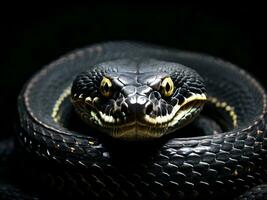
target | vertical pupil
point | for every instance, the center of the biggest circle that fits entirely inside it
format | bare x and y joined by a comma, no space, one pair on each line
106,88
168,87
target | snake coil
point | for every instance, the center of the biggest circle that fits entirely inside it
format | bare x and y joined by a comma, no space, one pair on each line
81,164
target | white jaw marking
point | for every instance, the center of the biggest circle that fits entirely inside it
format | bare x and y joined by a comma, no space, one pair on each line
176,109
173,117
107,118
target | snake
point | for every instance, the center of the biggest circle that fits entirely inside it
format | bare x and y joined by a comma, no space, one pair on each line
128,120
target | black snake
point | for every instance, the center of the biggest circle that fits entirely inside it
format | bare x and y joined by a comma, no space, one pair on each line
137,91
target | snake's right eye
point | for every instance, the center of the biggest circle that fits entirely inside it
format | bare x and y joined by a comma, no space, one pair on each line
167,87
105,87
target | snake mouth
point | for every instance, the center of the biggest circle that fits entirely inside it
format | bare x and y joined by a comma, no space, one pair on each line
188,107
161,125
151,126
143,125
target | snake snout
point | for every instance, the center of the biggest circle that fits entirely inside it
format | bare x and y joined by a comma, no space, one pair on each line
136,106
139,107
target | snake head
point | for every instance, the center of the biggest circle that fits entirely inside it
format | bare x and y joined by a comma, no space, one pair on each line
138,98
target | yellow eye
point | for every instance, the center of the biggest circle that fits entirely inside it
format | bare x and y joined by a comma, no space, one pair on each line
105,87
167,86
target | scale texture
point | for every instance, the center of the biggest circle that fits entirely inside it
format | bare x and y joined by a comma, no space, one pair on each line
72,163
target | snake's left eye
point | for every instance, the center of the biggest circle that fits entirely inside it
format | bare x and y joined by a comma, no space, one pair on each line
105,87
167,87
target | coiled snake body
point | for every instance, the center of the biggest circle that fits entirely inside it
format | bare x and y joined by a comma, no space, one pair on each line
220,154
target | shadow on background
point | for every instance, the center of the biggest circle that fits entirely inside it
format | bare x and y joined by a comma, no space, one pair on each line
33,37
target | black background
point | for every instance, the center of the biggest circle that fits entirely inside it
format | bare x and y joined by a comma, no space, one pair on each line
34,35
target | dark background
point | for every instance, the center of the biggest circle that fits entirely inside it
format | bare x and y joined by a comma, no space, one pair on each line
34,35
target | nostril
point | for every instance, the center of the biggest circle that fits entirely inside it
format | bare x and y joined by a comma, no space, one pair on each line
149,109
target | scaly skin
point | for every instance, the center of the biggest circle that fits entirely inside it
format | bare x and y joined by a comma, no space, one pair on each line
89,165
